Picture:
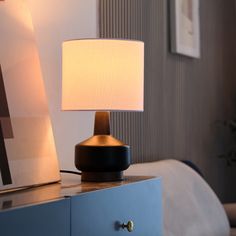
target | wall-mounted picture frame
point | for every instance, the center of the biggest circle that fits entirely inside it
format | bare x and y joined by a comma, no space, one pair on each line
185,27
27,149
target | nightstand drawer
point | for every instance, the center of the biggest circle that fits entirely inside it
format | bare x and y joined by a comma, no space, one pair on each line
46,219
103,212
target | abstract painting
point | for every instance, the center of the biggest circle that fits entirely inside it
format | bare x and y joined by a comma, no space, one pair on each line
27,149
185,34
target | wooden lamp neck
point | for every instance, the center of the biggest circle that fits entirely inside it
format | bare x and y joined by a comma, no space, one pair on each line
102,123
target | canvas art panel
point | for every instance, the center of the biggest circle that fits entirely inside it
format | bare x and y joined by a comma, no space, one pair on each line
185,33
27,149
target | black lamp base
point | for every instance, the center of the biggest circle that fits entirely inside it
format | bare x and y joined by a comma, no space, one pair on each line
102,157
102,176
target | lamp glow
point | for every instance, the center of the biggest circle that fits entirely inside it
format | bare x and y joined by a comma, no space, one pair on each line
102,74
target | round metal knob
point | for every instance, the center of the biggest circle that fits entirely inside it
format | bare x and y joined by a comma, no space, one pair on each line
129,226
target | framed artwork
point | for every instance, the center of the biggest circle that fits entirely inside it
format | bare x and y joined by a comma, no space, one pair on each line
27,150
185,33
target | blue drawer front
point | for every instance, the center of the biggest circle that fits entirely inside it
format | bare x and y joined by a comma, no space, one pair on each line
47,219
102,212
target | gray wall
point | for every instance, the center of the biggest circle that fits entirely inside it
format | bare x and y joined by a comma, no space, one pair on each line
184,98
53,23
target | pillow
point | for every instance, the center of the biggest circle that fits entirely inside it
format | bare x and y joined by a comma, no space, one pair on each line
190,207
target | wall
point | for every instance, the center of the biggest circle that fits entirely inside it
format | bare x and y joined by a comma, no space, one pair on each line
56,21
184,98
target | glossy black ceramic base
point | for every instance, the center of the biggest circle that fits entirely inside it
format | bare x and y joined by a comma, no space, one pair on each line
102,158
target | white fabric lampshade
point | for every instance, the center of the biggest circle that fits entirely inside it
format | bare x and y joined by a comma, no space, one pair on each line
102,74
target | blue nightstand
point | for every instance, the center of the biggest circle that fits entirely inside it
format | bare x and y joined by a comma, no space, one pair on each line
84,209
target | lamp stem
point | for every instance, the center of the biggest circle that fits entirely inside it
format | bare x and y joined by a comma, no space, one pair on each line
102,123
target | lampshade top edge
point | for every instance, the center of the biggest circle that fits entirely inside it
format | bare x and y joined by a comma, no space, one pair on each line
102,39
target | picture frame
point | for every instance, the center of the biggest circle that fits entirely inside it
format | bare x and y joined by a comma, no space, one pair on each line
185,27
27,148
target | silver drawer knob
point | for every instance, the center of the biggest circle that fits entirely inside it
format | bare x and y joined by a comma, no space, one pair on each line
129,226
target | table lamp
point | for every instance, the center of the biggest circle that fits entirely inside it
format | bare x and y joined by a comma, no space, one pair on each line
102,75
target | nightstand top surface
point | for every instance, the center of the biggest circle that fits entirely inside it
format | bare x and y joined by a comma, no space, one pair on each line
70,185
